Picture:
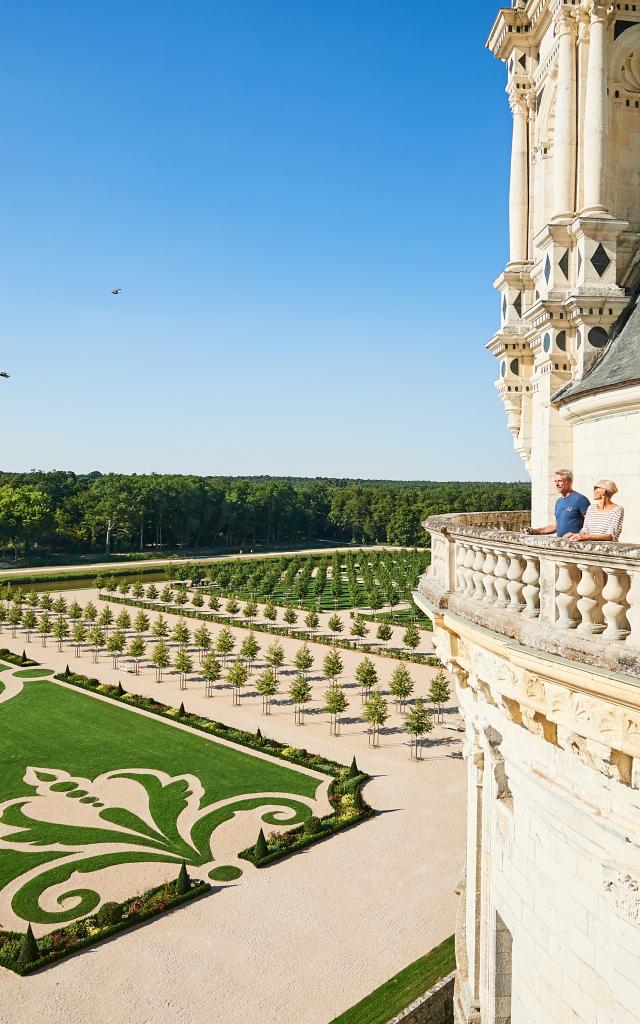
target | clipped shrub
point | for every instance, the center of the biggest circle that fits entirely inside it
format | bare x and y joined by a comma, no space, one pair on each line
29,950
353,770
120,689
261,850
109,913
66,673
258,734
183,882
312,826
181,711
24,658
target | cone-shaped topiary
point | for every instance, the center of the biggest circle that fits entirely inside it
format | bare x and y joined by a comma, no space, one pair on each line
353,770
121,691
183,882
181,711
24,658
67,672
258,734
358,802
260,850
29,951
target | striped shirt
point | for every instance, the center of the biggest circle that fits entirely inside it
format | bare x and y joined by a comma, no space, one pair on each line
610,520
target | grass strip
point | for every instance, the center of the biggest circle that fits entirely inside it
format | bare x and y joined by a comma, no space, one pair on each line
398,992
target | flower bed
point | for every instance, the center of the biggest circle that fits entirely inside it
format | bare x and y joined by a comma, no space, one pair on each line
349,809
20,660
109,919
296,634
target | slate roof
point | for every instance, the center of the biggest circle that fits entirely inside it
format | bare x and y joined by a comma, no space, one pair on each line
618,365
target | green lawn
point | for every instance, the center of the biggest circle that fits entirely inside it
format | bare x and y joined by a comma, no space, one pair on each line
400,991
74,740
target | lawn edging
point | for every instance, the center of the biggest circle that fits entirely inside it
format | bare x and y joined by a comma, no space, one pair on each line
420,992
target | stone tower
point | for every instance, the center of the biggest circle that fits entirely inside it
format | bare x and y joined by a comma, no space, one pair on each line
573,83
543,635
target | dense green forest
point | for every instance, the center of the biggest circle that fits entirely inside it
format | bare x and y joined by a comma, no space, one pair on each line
64,512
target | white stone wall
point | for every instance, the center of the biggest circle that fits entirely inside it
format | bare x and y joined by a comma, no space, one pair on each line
554,826
606,443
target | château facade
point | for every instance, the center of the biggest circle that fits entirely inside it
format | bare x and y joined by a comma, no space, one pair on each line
543,635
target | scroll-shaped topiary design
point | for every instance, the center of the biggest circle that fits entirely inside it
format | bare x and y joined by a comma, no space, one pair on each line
85,825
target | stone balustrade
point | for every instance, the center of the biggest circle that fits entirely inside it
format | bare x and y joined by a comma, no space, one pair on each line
575,600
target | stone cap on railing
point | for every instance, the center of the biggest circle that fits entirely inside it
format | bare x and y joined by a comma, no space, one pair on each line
508,528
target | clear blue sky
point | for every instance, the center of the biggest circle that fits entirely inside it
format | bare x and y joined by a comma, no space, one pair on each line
304,202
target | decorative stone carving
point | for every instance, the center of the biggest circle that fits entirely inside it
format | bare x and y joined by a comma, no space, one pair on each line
625,891
630,75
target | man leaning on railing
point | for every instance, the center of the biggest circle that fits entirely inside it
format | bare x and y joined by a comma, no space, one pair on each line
570,510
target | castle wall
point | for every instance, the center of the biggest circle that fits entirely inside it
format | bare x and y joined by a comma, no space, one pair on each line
556,839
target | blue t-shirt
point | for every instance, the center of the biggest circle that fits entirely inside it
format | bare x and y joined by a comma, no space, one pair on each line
570,513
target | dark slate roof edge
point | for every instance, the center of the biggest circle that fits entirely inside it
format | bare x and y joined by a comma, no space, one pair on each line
625,342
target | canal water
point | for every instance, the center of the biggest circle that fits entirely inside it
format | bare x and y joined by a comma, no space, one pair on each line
85,582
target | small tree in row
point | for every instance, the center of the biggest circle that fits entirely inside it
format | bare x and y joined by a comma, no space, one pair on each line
332,665
418,723
249,650
237,676
367,676
183,662
376,713
401,686
210,670
439,693
335,703
267,687
300,693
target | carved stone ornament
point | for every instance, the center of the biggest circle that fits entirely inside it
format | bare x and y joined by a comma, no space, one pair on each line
630,74
625,891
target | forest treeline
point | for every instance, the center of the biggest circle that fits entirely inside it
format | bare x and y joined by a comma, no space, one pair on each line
64,512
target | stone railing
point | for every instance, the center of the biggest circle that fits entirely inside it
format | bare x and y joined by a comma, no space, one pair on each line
576,600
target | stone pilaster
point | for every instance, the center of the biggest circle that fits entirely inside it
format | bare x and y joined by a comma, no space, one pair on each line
519,180
564,145
596,117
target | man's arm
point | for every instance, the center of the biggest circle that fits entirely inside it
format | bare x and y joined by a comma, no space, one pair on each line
540,529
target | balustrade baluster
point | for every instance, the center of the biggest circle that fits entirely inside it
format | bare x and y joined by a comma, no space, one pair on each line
468,572
614,608
501,581
461,555
590,603
478,562
566,597
489,580
515,585
633,597
531,590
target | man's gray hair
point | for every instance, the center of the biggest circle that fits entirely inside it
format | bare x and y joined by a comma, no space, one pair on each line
566,473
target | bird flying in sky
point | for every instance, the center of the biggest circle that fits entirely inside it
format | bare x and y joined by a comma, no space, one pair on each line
116,291
3,373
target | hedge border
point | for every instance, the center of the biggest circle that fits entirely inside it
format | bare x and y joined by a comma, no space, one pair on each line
198,888
303,635
16,659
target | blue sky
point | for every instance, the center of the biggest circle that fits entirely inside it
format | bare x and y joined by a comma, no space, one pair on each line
304,202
